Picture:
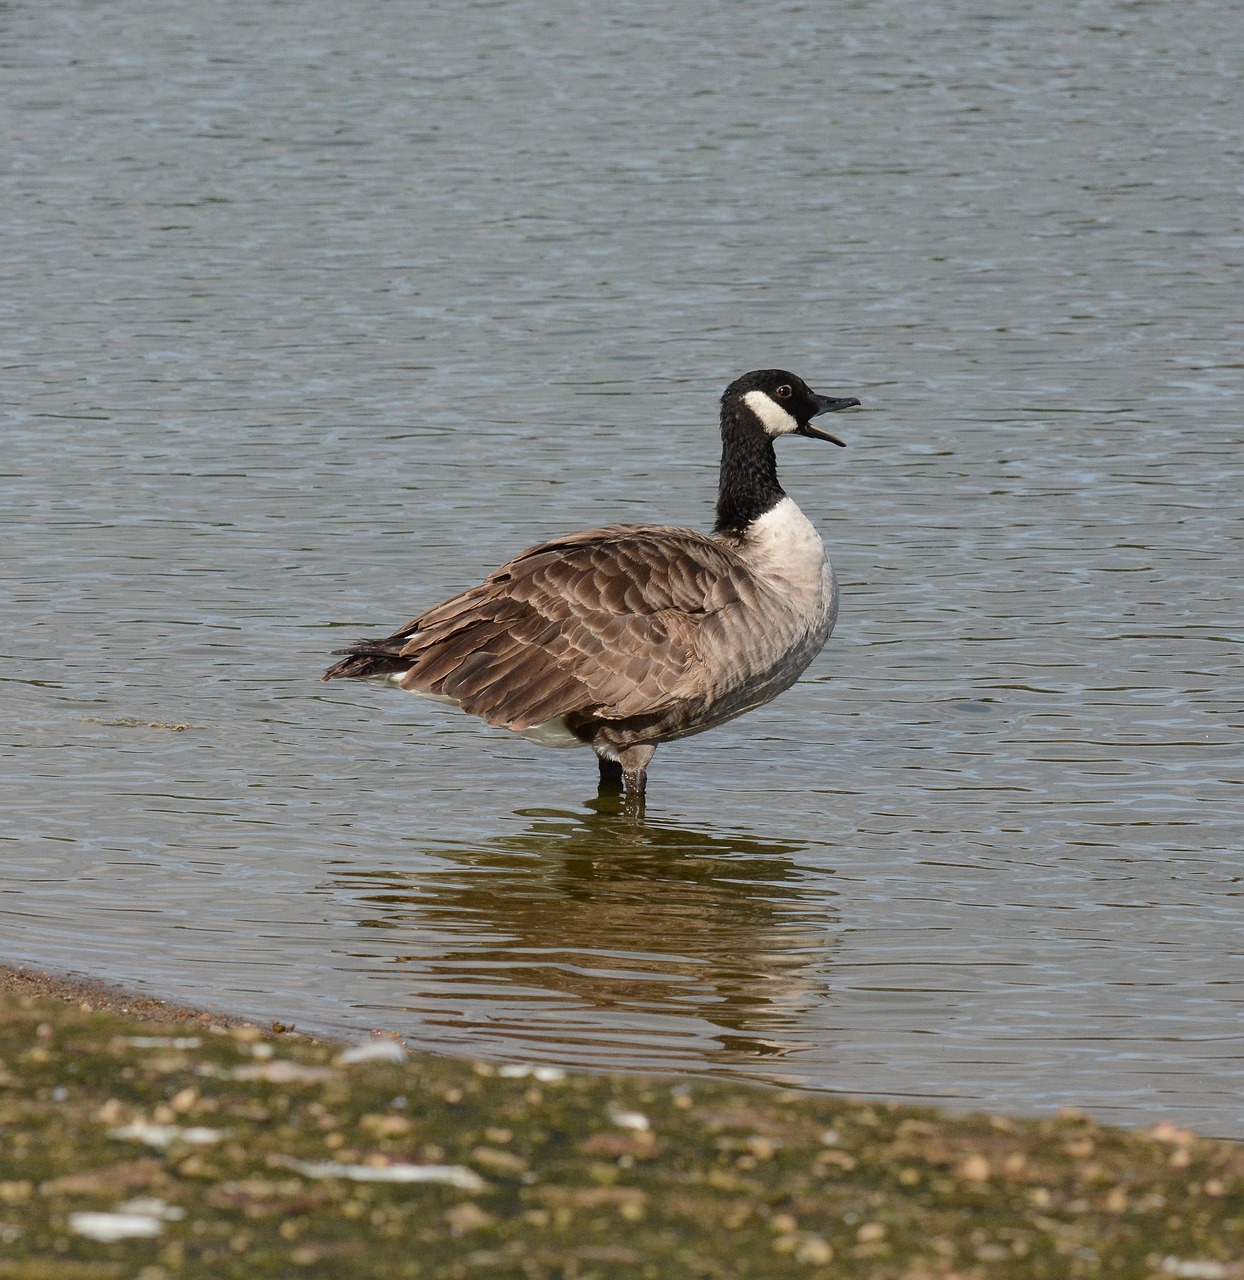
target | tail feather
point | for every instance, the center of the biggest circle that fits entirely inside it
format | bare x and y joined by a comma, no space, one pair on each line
367,658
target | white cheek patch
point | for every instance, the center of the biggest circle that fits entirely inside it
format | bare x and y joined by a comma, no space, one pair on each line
777,422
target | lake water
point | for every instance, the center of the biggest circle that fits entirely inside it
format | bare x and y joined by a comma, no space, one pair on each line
316,312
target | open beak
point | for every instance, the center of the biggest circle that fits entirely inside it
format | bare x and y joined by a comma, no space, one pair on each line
826,404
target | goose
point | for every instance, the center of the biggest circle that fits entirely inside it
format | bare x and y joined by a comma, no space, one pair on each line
624,637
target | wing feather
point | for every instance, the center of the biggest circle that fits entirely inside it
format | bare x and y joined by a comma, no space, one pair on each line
603,623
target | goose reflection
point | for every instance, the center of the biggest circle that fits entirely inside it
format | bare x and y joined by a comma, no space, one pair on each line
589,938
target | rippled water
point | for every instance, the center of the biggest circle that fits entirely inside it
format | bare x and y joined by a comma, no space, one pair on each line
315,313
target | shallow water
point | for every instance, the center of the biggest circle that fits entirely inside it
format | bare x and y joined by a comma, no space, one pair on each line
310,322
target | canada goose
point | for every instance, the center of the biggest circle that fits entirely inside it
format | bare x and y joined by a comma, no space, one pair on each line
625,637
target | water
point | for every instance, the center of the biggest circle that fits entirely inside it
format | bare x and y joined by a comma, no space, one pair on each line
315,313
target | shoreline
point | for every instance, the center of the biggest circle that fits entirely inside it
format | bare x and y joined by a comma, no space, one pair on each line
146,1138
96,995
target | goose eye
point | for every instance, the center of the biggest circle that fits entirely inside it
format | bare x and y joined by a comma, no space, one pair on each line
784,391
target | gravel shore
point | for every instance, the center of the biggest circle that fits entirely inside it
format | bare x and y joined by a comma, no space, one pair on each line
145,1141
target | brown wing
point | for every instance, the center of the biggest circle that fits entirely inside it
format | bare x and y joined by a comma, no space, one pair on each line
602,623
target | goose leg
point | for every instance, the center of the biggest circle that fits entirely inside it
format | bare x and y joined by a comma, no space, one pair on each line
610,774
634,761
635,781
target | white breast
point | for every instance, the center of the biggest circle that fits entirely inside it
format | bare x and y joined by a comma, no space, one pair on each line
783,547
785,613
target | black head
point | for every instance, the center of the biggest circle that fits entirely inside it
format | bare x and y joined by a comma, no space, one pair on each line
783,404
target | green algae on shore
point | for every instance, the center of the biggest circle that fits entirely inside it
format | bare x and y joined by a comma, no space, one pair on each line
146,1153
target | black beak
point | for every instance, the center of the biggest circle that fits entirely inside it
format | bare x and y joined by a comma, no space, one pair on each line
826,404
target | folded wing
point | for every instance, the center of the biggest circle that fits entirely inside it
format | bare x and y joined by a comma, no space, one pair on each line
602,624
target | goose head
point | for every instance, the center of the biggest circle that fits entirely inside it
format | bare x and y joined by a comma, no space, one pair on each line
784,404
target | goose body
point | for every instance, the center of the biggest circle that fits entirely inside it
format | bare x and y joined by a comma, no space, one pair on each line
624,637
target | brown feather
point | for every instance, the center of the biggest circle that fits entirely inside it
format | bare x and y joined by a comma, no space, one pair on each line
577,626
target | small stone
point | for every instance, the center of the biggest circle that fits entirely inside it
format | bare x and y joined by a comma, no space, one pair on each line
282,1072
386,1126
373,1049
497,1161
454,1175
112,1112
1195,1268
625,1119
164,1135
814,1250
108,1227
467,1217
1172,1134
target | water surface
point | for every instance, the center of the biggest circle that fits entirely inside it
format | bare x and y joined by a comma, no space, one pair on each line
314,315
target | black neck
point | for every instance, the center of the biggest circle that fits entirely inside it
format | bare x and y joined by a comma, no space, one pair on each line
749,484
